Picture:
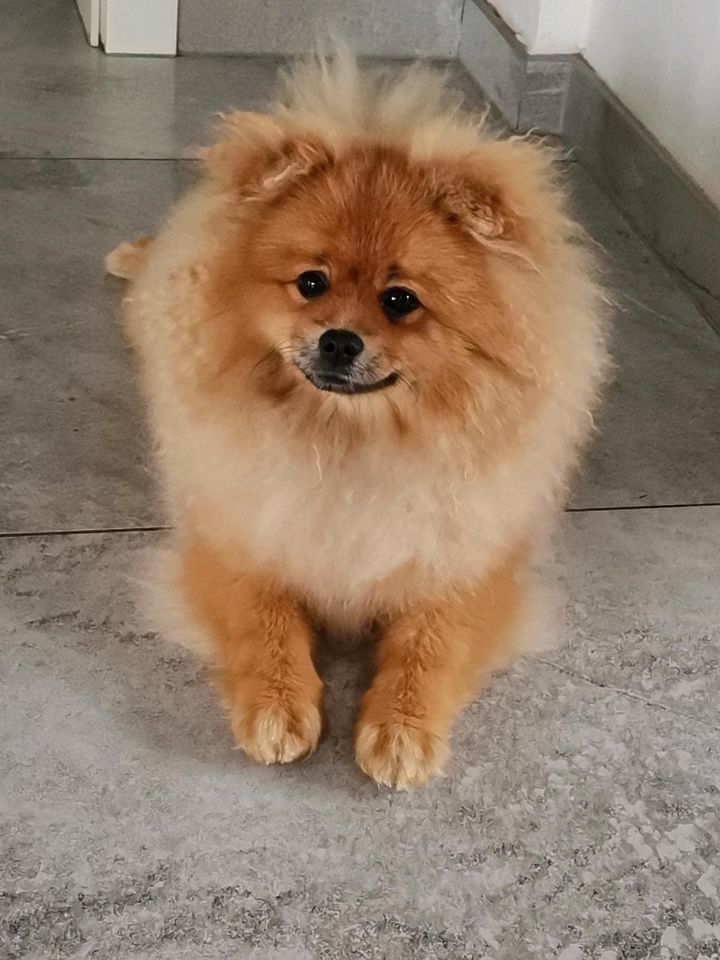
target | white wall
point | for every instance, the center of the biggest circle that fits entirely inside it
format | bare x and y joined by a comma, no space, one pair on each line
521,16
547,26
662,59
562,26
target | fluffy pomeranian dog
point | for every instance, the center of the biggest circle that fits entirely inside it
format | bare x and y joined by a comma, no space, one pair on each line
370,342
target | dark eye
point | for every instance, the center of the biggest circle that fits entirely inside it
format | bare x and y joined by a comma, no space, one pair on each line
312,283
397,302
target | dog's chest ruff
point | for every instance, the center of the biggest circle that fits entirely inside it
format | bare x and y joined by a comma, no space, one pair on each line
334,531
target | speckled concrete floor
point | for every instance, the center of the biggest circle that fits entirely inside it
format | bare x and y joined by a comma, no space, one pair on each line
581,814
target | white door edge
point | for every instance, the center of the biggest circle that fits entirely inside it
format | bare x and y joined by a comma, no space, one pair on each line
89,11
139,26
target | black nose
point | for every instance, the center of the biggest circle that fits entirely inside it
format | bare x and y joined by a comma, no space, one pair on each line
340,347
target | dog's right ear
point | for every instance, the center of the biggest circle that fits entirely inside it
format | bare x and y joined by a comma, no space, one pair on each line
256,156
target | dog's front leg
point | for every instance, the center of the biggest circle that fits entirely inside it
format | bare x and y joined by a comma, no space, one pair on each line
262,641
430,660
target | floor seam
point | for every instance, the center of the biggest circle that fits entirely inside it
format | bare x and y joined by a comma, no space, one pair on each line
642,506
75,532
630,694
102,159
18,535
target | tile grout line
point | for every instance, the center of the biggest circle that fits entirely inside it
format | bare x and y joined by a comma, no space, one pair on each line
108,159
642,506
19,534
158,528
630,694
180,159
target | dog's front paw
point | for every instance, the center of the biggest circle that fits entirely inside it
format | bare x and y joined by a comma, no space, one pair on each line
277,730
400,753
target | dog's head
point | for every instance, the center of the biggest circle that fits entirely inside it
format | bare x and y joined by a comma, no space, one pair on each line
378,281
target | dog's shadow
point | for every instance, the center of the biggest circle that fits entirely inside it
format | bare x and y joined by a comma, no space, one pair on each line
170,704
85,635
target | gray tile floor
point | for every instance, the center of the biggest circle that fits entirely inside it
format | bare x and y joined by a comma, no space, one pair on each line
581,816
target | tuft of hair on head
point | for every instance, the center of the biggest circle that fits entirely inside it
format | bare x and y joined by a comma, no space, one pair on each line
504,191
335,95
331,100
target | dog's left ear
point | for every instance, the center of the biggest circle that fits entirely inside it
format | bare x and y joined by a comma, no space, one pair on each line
476,205
479,208
255,154
508,194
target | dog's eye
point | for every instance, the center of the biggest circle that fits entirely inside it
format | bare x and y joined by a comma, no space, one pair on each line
312,283
397,302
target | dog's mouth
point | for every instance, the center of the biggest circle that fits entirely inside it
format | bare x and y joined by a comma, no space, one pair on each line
340,383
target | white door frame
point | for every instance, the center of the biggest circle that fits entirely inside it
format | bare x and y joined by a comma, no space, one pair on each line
132,26
89,11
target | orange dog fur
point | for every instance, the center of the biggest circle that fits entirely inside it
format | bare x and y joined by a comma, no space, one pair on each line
405,485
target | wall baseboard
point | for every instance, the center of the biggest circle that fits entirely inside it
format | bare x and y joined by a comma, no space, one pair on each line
564,96
530,92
